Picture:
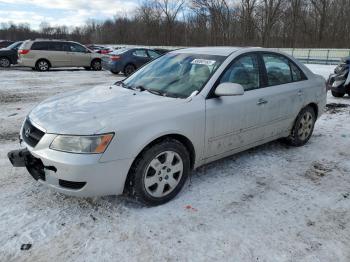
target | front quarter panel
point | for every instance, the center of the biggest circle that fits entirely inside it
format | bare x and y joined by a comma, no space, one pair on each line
185,118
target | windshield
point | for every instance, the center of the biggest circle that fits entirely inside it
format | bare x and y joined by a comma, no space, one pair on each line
176,75
14,45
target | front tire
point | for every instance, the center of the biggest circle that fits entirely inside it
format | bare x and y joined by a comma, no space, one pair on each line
5,62
303,127
160,172
42,65
336,94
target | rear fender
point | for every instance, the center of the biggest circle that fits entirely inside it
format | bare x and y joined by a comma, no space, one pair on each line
347,80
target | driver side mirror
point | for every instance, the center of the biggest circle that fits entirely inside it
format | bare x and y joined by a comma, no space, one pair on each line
229,89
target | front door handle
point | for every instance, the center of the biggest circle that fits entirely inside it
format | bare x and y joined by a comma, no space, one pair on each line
261,102
300,92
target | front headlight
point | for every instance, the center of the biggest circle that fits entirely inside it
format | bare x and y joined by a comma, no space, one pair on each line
95,144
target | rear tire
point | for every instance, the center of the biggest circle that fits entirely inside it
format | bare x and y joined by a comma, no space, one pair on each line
336,94
115,72
159,173
5,62
129,69
42,65
96,65
303,127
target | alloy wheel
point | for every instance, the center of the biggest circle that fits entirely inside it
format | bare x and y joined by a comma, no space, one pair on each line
163,174
43,66
97,65
305,126
4,62
129,70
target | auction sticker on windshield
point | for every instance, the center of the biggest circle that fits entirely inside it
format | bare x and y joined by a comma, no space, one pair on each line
203,62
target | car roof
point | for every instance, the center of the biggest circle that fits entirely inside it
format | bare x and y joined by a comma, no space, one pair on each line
220,51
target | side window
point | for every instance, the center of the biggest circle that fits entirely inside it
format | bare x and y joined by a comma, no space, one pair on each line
40,46
140,53
153,54
244,71
55,46
297,75
77,48
278,70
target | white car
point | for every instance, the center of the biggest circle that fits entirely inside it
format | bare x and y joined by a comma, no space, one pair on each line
185,109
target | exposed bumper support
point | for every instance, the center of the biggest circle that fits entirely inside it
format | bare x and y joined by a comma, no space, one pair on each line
19,158
23,158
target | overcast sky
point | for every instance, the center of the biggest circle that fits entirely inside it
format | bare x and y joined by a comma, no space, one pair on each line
62,12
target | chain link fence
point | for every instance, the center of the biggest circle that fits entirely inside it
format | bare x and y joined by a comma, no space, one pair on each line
308,56
317,56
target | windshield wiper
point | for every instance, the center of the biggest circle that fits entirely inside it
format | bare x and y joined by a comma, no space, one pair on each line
155,92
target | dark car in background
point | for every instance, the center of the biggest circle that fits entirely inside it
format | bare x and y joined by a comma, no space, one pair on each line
161,50
339,82
100,49
5,43
9,55
128,60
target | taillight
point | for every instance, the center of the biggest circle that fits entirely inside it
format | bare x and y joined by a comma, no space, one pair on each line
115,57
23,51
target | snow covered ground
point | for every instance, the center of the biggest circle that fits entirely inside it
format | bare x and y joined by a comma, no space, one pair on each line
271,203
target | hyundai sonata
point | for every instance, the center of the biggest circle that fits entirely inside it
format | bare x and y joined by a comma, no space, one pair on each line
145,134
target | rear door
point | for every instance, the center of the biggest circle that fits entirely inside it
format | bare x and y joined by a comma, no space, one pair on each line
283,95
140,57
80,56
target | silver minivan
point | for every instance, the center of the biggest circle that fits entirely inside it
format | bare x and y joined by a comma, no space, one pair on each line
42,55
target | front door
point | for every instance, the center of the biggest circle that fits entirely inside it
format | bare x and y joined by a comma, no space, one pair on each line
80,55
234,122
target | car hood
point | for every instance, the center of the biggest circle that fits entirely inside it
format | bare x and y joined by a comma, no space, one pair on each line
100,108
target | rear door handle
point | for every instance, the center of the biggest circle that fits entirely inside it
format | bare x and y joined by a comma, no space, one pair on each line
261,102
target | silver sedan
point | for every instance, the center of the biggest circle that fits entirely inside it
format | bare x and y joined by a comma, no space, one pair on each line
144,135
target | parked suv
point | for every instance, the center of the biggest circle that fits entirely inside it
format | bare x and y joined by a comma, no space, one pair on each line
41,55
8,55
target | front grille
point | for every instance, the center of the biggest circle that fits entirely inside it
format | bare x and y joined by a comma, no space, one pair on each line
30,134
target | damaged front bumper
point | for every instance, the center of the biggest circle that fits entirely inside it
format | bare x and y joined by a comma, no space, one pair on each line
73,174
23,158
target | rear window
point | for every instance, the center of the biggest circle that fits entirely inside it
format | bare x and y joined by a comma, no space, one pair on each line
120,51
40,46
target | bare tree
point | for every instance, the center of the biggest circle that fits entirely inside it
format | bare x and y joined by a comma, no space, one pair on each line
170,10
268,14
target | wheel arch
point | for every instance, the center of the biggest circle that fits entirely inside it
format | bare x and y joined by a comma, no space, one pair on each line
181,138
50,64
314,106
129,63
95,59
